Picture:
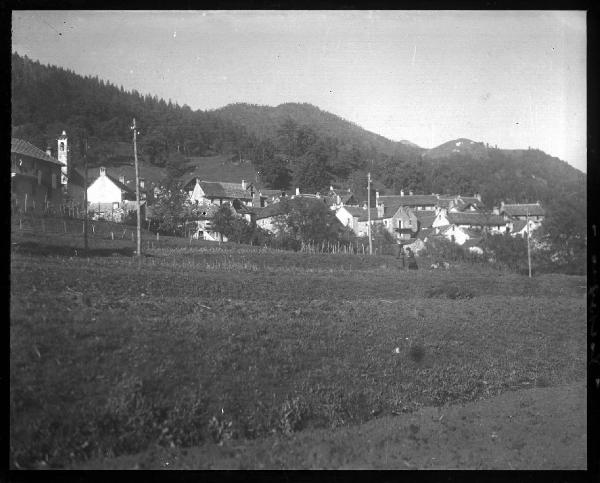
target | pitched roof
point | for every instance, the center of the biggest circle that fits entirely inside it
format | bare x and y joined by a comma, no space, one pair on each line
534,209
219,189
19,146
365,215
268,211
410,200
270,193
518,225
478,219
120,185
426,218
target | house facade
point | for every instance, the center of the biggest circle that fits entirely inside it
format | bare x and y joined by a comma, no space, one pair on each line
110,199
471,220
35,177
219,192
357,218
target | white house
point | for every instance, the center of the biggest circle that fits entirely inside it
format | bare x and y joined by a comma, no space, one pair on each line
356,218
219,192
472,220
109,198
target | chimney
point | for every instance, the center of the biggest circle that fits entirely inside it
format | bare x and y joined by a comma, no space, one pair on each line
495,210
243,184
102,171
122,179
297,191
401,192
478,196
410,192
501,205
49,151
330,188
318,195
380,210
142,183
376,197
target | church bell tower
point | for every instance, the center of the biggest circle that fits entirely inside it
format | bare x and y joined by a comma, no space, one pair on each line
62,155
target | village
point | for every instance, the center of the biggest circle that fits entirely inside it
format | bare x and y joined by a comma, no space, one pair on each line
43,182
299,240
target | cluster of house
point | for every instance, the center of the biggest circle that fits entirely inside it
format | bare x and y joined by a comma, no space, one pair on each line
411,219
39,180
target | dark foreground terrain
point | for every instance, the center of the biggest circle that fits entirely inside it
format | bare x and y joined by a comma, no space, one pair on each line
266,352
529,429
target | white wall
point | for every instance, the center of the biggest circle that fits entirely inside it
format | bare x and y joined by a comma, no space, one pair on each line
103,190
346,218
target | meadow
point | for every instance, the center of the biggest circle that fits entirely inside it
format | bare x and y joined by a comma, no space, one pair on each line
208,343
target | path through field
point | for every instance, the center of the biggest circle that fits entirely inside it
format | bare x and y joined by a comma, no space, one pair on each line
538,428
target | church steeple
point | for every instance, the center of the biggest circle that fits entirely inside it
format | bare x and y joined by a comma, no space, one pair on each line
62,155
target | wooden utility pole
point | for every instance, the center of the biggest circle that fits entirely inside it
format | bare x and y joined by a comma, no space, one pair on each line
369,213
137,194
528,249
85,197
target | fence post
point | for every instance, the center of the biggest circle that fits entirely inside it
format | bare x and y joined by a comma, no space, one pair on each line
112,235
20,224
43,226
65,226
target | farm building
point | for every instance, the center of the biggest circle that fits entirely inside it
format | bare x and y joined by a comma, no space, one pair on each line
202,226
458,203
399,220
219,192
35,177
337,198
356,218
268,216
533,211
415,202
472,220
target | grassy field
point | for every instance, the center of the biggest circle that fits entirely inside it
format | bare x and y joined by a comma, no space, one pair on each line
207,343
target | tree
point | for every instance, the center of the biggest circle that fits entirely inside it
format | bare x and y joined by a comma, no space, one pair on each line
171,209
308,221
275,172
232,226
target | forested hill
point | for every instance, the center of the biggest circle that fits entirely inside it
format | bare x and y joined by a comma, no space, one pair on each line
266,122
291,145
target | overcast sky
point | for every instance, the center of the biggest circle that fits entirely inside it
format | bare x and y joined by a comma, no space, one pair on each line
515,79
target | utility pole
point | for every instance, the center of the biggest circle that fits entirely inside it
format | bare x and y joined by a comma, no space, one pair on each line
369,213
528,250
85,196
137,195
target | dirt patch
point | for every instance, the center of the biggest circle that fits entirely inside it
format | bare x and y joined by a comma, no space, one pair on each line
538,428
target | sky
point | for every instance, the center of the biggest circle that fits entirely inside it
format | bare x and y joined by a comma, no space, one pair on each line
509,78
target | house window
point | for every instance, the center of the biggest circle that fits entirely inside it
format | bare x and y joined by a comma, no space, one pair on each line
62,146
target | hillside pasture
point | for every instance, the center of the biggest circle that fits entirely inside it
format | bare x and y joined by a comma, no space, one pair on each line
207,343
220,168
